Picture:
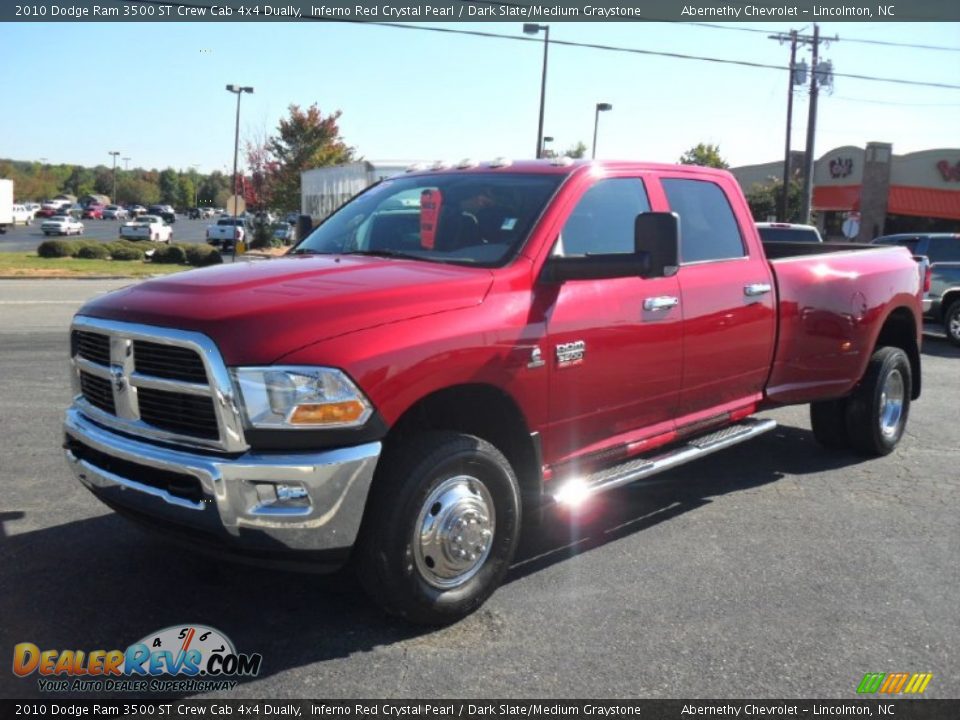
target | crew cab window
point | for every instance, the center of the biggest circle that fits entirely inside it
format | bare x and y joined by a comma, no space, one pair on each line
944,249
708,227
603,219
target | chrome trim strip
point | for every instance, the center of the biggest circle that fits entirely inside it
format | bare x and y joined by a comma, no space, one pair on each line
336,483
221,390
695,449
178,386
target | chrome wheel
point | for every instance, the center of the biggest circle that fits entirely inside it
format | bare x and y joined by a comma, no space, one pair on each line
891,403
953,326
454,532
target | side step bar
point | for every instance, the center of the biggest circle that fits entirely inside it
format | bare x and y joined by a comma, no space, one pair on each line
575,489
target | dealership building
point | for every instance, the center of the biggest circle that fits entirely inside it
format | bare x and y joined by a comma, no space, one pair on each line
885,193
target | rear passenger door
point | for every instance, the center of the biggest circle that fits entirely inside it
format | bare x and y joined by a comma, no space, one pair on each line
727,296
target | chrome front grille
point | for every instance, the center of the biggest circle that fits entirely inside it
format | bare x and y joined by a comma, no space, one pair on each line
156,383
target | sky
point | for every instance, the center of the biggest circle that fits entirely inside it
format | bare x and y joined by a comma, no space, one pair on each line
155,92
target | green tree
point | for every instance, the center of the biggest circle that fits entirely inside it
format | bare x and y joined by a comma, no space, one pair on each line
306,139
764,200
185,191
704,154
169,186
576,151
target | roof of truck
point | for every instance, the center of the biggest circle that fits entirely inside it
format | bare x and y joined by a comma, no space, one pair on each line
554,166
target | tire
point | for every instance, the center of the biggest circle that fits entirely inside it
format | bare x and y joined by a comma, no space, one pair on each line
877,410
829,421
440,480
951,322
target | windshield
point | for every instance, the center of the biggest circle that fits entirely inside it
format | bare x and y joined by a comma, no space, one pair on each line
148,219
476,218
230,221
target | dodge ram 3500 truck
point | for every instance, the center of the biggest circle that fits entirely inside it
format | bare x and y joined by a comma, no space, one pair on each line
455,347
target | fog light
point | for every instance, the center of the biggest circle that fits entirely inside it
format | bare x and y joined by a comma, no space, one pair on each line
291,493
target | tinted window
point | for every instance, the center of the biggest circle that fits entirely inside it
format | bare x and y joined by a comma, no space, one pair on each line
910,243
944,249
603,220
708,228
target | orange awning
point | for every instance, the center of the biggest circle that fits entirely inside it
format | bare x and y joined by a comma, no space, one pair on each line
924,202
836,197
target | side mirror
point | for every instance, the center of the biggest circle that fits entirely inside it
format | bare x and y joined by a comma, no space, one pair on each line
656,236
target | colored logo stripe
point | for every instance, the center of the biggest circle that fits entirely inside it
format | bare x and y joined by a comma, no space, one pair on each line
893,683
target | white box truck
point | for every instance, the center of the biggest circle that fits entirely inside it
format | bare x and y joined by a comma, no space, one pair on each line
6,205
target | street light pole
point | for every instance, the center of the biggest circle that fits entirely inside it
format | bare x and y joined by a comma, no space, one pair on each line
546,139
114,153
236,149
601,107
533,29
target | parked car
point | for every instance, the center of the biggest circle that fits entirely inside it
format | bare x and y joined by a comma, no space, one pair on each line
115,212
22,215
415,379
136,210
788,232
226,231
62,225
49,208
287,234
93,212
200,213
941,302
147,227
164,211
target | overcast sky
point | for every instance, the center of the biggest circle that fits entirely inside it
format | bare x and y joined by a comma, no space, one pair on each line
155,92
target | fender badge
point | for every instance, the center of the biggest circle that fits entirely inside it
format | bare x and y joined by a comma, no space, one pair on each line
536,359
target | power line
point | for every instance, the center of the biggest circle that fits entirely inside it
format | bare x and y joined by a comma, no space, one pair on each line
595,46
635,51
862,41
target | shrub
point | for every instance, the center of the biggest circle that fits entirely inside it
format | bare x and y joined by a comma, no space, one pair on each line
126,253
201,255
55,249
170,254
93,251
262,236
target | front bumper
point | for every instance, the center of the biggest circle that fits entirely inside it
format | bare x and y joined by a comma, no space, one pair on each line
264,505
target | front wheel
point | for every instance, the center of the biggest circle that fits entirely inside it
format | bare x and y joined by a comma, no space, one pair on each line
441,528
951,322
877,410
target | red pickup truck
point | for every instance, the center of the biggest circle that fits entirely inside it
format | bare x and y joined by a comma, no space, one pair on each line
455,347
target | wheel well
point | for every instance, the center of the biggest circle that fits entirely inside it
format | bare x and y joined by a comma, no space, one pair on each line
900,330
946,301
484,411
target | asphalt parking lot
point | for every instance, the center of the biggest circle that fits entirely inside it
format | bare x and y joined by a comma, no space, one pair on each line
25,238
774,569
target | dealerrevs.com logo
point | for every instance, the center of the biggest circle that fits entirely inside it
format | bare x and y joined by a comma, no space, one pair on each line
181,658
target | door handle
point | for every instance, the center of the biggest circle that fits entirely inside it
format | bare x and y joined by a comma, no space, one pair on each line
755,289
664,302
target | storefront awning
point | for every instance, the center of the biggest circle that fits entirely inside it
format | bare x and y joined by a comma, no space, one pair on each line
836,197
924,202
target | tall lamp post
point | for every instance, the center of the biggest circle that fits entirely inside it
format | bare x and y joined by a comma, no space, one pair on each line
533,29
114,153
239,90
601,107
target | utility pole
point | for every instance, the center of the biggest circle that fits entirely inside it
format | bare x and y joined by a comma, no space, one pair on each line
818,77
791,81
807,199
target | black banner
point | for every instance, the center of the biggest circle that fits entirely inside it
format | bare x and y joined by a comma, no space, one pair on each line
804,11
898,708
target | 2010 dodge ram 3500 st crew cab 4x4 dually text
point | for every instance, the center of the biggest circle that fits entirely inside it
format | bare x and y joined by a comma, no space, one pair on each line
453,348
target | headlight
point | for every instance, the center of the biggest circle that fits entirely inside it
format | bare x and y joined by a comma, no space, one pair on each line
300,398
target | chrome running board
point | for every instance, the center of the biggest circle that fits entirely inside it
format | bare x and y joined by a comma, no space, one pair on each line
575,489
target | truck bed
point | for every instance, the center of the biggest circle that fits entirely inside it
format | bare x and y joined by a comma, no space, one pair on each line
831,297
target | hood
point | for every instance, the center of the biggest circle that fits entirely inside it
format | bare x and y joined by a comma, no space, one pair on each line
257,312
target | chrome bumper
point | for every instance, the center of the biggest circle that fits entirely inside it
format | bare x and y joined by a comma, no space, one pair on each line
278,503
